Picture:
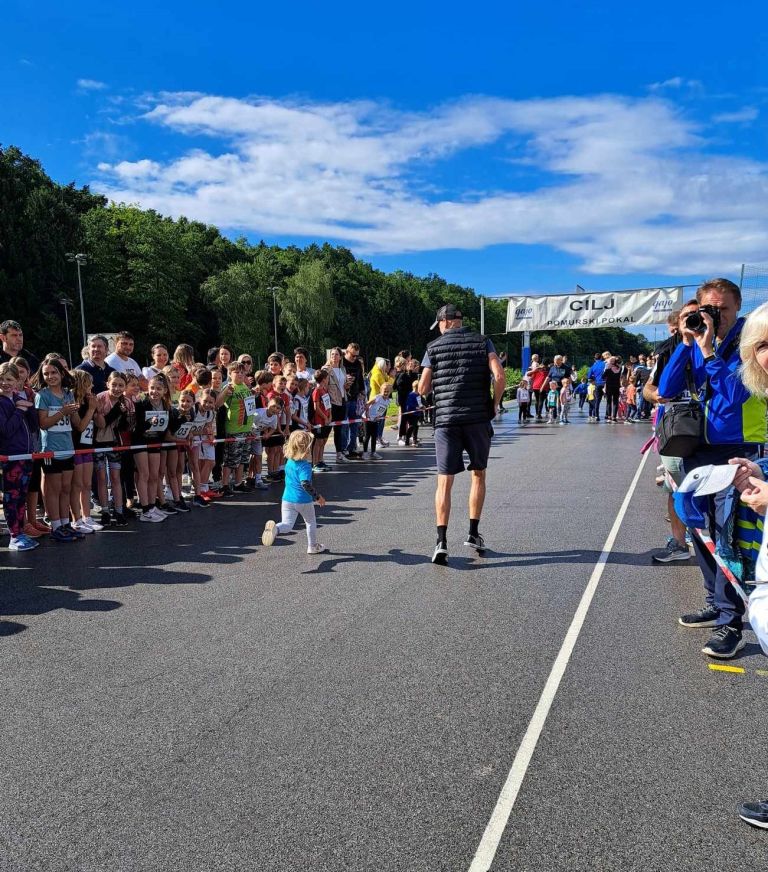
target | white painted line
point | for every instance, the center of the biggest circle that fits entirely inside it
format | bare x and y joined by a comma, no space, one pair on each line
489,843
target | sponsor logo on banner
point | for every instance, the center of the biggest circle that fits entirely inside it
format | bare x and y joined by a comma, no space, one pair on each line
585,310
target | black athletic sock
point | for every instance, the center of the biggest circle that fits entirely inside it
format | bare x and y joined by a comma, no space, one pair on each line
474,526
442,535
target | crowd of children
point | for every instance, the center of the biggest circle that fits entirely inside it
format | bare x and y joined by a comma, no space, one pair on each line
546,399
148,443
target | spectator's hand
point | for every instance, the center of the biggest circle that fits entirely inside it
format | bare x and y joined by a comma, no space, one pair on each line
92,401
69,408
321,501
747,469
756,496
704,340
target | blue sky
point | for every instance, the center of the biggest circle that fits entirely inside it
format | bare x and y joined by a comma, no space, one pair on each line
508,147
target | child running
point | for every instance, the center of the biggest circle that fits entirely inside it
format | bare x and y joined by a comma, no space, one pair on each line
299,495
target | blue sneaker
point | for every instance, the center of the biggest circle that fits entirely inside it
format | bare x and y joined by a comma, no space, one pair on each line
22,543
75,534
60,534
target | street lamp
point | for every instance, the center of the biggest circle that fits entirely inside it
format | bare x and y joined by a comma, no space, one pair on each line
66,302
274,289
80,260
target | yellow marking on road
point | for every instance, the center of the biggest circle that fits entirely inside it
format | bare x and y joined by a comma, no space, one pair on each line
763,672
716,667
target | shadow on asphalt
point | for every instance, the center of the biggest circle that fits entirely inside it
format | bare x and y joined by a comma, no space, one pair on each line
54,576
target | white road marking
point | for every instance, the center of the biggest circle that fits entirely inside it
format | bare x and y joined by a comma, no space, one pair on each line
489,843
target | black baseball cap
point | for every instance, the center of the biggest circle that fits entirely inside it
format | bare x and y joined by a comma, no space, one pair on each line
448,312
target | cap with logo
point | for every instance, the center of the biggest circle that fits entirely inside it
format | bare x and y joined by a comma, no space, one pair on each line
449,312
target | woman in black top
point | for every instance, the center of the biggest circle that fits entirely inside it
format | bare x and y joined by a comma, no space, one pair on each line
612,378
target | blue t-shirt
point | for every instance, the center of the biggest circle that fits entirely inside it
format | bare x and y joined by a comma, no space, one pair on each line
297,471
58,437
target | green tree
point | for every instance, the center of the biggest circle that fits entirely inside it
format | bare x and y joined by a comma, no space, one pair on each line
307,304
239,296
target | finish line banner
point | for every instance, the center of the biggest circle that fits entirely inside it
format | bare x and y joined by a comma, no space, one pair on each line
584,310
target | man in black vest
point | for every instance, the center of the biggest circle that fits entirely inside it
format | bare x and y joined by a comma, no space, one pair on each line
458,367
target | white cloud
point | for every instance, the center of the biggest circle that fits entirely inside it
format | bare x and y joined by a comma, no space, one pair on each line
624,184
740,116
675,83
91,85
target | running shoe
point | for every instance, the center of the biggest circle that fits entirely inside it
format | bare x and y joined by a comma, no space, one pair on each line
375,456
105,520
440,555
44,528
166,509
72,532
401,443
61,535
201,502
92,523
317,548
726,642
261,485
151,518
121,519
156,513
476,542
706,617
755,813
340,457
82,527
673,551
269,535
181,506
318,468
22,543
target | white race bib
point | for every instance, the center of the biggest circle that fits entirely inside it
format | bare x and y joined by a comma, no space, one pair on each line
86,437
161,417
250,405
378,409
327,402
184,430
63,425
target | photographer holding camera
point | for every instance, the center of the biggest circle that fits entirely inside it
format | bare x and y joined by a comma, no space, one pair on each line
734,425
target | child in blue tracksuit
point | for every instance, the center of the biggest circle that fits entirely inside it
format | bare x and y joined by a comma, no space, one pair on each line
299,496
580,391
415,415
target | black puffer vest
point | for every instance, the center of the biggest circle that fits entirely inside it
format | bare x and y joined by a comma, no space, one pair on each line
461,379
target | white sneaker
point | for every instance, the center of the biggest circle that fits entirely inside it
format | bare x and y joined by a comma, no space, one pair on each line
317,549
374,456
383,443
92,523
270,534
401,443
150,518
82,527
340,458
158,512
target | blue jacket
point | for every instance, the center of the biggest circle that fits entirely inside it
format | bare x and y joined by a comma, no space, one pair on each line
596,370
17,428
732,415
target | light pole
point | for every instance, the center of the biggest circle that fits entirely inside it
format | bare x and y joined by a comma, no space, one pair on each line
66,302
274,289
80,260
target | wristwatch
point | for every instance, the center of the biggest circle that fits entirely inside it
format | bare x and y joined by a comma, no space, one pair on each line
710,357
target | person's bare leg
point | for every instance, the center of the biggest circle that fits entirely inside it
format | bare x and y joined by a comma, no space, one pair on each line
476,493
443,499
678,527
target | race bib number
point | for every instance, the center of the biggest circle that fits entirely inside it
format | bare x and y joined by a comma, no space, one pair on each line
86,437
419,402
378,410
185,430
157,421
327,402
63,425
250,406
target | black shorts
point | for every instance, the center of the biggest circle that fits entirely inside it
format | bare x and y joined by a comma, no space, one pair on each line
53,466
273,441
451,442
321,431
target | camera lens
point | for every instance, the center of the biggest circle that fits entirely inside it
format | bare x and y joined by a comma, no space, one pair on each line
694,321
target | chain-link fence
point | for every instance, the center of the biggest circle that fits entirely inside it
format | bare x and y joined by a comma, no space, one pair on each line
754,286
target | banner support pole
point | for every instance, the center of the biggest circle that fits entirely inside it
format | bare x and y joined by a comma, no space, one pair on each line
526,351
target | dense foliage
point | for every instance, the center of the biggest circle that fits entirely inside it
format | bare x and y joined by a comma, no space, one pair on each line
179,280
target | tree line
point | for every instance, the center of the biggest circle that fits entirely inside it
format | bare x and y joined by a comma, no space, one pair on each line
176,280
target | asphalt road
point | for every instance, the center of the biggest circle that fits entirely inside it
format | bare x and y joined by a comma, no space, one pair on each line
178,697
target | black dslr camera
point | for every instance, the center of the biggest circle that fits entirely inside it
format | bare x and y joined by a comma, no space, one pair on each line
695,322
